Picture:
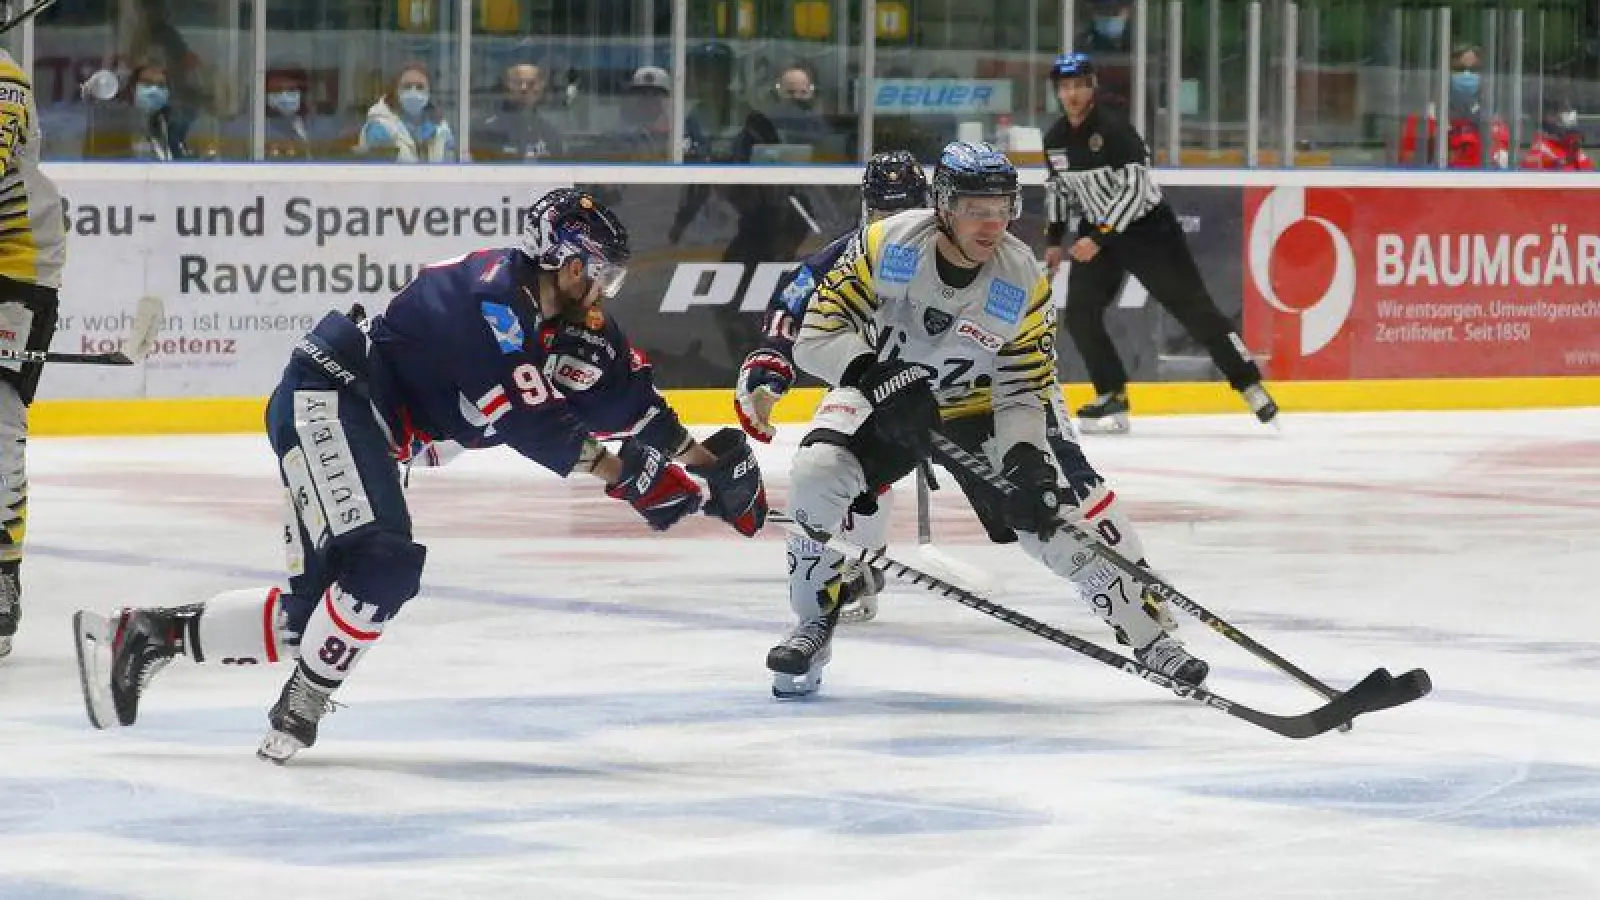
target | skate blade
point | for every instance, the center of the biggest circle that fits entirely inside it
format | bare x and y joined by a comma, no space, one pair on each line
795,687
92,634
1117,424
864,609
278,748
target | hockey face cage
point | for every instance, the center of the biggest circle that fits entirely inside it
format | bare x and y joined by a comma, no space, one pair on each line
568,224
981,173
15,12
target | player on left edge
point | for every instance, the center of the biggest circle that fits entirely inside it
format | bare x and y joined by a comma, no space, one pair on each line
477,351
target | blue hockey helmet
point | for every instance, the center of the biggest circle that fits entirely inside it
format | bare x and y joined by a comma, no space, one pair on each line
1071,65
893,181
969,169
568,224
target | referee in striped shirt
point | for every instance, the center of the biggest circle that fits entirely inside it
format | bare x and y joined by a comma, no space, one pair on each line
1099,169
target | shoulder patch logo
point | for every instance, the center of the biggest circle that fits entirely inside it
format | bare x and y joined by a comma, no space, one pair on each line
503,323
795,297
937,321
1005,301
899,264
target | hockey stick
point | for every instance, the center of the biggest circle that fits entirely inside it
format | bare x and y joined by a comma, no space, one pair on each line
138,344
1415,681
1374,692
941,563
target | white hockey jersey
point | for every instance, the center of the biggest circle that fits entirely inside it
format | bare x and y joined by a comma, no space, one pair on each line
991,344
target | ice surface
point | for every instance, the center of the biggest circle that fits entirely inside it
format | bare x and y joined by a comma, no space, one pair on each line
577,708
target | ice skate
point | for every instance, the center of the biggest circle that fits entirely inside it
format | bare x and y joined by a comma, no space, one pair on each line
1106,414
118,656
858,599
10,604
294,718
1167,655
797,663
1262,404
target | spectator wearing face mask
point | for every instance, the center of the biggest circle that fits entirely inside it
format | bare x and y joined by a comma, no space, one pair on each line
1107,37
517,129
1468,124
288,134
1558,145
790,119
137,123
407,123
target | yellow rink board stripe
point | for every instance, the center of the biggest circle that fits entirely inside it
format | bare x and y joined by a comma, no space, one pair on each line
231,415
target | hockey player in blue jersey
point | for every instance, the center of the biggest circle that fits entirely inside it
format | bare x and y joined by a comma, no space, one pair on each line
892,182
503,346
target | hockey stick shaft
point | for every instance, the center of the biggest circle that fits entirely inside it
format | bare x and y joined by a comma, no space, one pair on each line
139,342
1367,694
924,507
957,456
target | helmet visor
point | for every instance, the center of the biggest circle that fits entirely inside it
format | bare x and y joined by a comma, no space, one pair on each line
986,207
609,276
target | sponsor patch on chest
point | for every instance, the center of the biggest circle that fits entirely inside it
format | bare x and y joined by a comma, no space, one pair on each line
1005,301
937,321
979,335
899,264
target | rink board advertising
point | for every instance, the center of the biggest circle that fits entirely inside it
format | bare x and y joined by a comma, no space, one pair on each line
1346,283
1351,283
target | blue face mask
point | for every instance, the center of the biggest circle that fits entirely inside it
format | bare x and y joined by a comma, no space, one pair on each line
1464,87
413,101
1110,27
285,102
150,97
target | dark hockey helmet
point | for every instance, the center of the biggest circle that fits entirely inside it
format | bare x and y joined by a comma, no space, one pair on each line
568,224
892,182
969,169
1071,65
15,12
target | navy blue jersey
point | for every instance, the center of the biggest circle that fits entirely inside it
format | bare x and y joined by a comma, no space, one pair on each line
469,358
787,308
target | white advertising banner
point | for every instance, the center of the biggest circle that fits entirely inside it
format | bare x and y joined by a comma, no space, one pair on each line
244,266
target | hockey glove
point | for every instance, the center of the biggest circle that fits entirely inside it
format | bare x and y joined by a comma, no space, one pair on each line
764,377
1035,506
903,407
737,495
661,491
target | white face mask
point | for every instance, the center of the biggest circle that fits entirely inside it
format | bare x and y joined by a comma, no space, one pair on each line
286,102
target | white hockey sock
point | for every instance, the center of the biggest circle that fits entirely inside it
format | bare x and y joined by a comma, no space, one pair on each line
1113,596
336,636
243,627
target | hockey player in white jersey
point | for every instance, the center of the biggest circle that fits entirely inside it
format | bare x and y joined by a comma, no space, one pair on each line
941,319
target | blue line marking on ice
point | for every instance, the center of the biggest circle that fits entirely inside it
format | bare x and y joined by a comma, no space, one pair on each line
689,618
1486,796
967,746
25,889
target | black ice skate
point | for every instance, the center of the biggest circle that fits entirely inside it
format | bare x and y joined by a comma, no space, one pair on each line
1167,655
10,604
1106,414
294,718
117,658
1262,404
858,597
797,663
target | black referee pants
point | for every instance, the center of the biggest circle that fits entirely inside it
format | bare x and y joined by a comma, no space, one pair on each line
1154,251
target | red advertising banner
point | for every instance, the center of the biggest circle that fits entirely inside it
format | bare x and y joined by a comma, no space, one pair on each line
1418,283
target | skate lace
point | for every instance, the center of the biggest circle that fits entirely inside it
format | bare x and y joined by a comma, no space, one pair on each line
808,638
10,595
1165,655
309,702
